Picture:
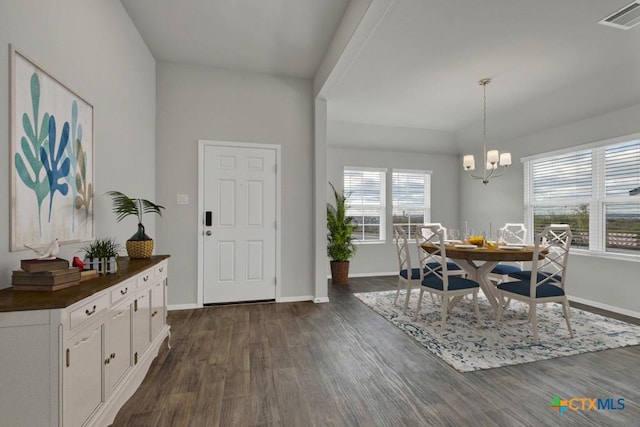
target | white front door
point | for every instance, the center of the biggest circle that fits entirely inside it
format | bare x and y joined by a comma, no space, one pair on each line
239,238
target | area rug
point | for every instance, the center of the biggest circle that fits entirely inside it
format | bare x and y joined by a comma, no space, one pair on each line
469,347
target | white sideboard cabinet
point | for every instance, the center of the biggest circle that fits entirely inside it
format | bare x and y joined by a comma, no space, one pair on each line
73,357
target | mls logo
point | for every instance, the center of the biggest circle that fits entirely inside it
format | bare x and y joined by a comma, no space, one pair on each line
559,405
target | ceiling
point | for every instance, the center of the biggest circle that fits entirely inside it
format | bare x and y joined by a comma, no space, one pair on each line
285,37
551,63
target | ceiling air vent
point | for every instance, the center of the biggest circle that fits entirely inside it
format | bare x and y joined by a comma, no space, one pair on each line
625,18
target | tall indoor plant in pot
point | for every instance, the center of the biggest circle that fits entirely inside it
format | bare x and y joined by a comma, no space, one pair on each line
139,245
340,246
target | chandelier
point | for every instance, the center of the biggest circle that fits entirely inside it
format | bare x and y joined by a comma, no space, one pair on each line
495,164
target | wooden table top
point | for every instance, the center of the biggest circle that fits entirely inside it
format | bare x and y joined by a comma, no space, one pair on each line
12,300
485,253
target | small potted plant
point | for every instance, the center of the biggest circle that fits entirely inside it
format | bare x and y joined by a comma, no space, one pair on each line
340,247
102,255
139,245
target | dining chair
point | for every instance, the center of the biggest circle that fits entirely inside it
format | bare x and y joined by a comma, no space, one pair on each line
434,277
550,267
421,234
549,272
407,276
510,233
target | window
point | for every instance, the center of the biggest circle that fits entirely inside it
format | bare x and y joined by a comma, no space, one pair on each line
561,192
366,190
411,193
622,197
596,190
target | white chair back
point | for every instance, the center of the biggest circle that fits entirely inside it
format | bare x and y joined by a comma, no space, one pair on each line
434,261
426,229
402,246
556,240
513,233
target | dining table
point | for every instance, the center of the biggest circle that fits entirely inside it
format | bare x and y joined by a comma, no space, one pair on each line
478,261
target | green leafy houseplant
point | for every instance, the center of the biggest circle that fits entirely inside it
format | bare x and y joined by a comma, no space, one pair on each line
102,254
340,247
139,245
101,248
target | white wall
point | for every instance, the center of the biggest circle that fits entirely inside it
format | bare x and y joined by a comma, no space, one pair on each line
382,258
93,48
601,280
374,137
206,103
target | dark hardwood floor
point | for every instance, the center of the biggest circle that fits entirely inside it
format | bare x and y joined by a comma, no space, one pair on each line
341,364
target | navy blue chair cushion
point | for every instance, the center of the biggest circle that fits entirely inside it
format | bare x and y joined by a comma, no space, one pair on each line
524,288
505,269
450,265
526,275
415,273
455,283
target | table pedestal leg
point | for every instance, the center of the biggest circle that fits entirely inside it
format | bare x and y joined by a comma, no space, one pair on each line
480,273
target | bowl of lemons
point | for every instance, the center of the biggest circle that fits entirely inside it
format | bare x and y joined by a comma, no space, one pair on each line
476,240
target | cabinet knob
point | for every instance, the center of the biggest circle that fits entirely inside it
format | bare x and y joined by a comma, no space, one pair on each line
106,361
124,291
154,313
145,278
89,313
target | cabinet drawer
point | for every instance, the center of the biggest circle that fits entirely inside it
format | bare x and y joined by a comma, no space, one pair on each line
122,291
160,271
88,310
145,279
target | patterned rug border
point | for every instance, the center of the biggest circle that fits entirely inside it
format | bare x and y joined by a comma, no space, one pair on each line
468,348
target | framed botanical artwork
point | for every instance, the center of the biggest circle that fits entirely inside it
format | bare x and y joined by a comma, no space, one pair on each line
51,166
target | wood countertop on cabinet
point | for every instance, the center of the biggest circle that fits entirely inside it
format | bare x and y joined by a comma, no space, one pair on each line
13,300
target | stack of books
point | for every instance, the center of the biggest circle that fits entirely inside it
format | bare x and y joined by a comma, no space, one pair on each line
45,275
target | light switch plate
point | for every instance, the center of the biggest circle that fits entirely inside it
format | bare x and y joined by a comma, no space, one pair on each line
182,199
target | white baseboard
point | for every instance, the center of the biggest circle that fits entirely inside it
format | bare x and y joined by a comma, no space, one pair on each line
295,299
392,273
321,300
175,307
607,307
182,307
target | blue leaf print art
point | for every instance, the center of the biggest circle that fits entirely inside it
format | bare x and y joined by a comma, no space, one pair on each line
55,162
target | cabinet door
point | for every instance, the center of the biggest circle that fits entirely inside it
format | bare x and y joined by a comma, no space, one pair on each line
157,308
82,375
141,325
119,352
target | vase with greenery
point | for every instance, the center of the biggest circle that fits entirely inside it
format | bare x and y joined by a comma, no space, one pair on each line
102,255
139,245
340,247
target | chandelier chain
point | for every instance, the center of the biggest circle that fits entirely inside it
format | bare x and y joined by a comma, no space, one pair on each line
484,120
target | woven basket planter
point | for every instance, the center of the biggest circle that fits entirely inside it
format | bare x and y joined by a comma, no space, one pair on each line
139,248
339,272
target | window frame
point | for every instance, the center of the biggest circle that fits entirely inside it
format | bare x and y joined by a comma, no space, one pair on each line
597,203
